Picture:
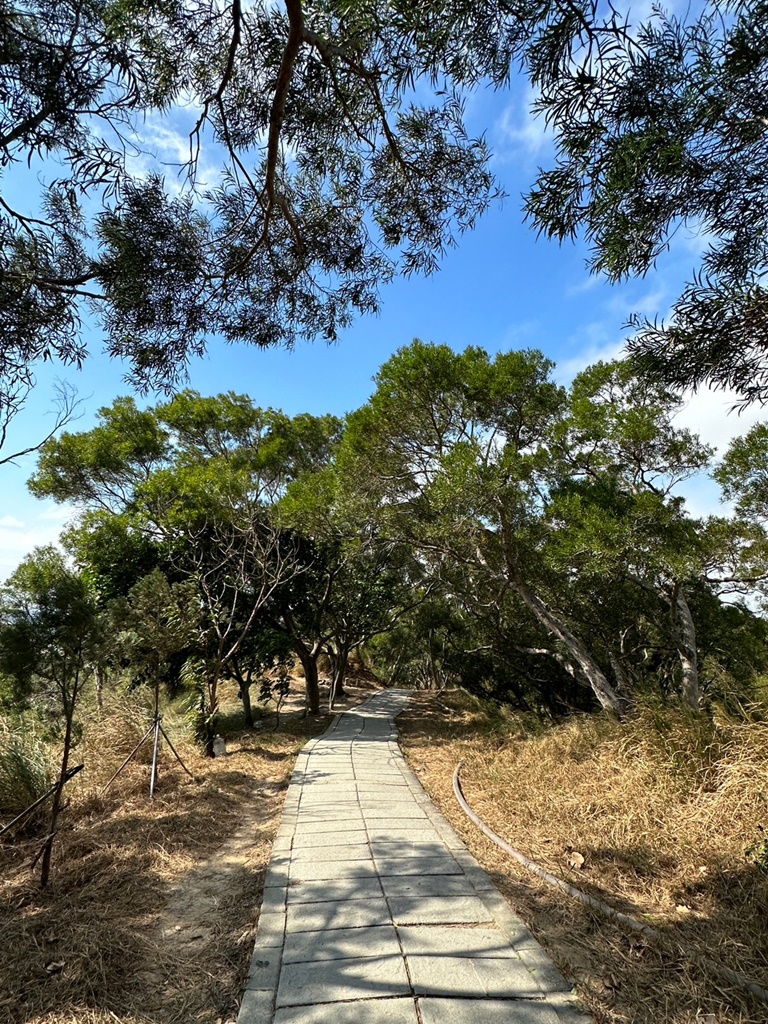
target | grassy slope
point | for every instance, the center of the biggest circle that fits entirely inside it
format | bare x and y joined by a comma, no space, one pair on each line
150,915
662,814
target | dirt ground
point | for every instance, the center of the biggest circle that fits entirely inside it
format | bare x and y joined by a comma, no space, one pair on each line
151,911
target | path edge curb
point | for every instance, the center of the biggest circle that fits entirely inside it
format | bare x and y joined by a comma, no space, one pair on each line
258,1004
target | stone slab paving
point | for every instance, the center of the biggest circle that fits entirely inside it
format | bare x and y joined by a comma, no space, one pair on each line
374,912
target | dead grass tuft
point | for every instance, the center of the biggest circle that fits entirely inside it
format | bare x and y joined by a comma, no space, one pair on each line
25,776
661,811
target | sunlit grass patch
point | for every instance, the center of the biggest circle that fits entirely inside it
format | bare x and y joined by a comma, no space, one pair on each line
662,813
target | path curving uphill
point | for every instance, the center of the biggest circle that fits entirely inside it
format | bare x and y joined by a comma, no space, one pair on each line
375,913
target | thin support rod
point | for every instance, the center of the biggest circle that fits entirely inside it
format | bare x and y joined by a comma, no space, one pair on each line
71,773
153,776
132,754
175,751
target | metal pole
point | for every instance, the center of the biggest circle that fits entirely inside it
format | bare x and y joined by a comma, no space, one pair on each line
153,777
165,734
133,753
70,774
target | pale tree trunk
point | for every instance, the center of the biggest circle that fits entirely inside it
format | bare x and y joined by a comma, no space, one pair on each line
684,638
339,661
618,675
308,659
684,632
609,698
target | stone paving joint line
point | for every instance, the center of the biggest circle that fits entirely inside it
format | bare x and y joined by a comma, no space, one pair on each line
375,912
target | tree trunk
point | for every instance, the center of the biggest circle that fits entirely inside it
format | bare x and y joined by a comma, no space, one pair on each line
609,699
210,713
687,651
434,681
45,867
340,674
339,662
684,638
618,674
101,677
245,697
308,661
244,692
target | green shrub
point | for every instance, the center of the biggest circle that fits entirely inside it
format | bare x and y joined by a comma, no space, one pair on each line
757,852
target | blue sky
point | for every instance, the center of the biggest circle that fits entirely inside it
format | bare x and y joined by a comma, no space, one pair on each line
501,288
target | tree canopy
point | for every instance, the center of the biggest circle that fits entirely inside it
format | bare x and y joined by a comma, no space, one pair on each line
661,125
538,506
475,521
328,151
323,158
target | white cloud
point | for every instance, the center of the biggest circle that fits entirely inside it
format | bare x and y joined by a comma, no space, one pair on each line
162,146
11,523
653,303
594,352
712,416
694,240
52,513
604,339
585,284
16,544
19,538
518,134
523,334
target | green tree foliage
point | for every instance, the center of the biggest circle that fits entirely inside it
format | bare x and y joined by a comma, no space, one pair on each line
338,133
338,159
264,651
116,554
152,625
192,483
455,447
528,539
360,582
48,629
743,473
620,506
661,124
550,515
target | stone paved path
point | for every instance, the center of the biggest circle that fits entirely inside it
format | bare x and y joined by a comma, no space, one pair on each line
375,913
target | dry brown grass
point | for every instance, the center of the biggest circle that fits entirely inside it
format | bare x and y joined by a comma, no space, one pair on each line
150,913
661,810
